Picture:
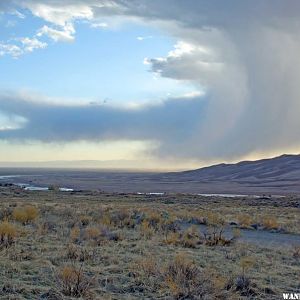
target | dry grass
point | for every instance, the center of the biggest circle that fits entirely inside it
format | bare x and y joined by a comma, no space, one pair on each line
270,222
183,279
108,246
73,281
296,252
244,220
75,234
25,214
8,233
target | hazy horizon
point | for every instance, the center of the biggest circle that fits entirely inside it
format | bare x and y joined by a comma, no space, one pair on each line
148,85
115,165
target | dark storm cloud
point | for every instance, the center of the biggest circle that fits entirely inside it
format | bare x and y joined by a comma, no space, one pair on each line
170,122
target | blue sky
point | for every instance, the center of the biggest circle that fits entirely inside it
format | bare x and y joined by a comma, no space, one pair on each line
100,64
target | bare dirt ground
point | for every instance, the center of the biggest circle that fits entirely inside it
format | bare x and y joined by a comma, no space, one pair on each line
97,245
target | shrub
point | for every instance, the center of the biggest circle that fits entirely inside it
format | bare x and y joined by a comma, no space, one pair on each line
243,282
73,281
296,252
149,266
79,253
72,252
181,278
184,280
270,222
215,236
124,216
8,233
92,233
85,220
189,239
53,187
99,235
105,218
155,219
121,218
31,212
244,220
75,234
149,271
246,263
25,214
5,213
214,219
170,225
46,227
173,238
19,215
146,230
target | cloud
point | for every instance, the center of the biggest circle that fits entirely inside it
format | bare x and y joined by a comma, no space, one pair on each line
24,45
63,15
64,35
142,38
243,53
18,14
31,44
10,49
11,122
164,123
249,68
99,25
59,13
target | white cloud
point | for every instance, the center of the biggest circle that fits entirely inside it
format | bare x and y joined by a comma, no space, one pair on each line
64,35
31,44
11,121
10,49
142,38
60,13
21,46
99,25
63,15
181,48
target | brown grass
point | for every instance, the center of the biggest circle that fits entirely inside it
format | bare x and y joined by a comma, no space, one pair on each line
75,234
8,233
25,214
270,222
244,220
73,281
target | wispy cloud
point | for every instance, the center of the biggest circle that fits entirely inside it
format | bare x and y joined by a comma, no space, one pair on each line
142,38
66,34
10,49
18,14
31,44
99,25
21,46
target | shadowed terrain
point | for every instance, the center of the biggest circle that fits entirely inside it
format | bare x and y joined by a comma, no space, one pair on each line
277,176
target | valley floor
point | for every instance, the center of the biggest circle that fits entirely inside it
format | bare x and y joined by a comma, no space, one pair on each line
93,245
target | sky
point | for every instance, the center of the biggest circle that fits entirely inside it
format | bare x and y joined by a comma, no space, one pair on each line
148,84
